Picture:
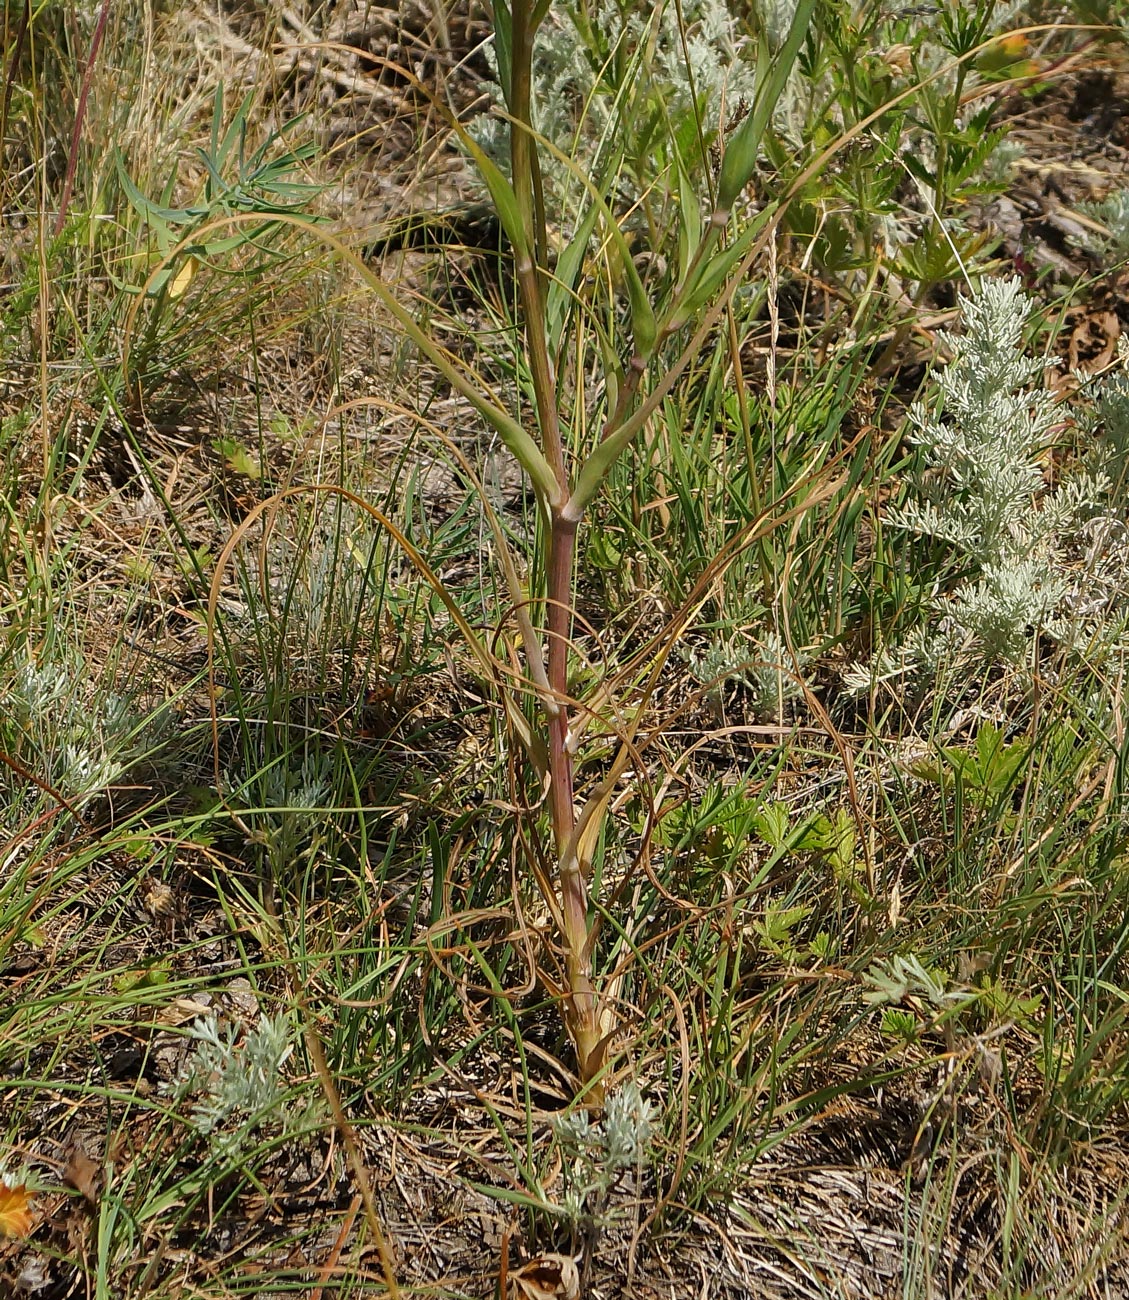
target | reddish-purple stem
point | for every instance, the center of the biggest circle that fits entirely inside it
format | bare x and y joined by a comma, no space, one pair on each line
558,625
80,114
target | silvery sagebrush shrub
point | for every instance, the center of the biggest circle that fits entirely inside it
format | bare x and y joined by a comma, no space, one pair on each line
1029,565
596,1155
284,803
80,740
1113,214
235,1081
763,667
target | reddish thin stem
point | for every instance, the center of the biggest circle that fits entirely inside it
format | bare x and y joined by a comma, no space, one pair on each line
80,114
558,623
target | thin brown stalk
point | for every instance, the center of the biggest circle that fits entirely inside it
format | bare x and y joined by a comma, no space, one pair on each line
6,106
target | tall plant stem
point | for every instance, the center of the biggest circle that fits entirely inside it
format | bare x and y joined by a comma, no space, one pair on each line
562,549
80,114
581,1011
527,268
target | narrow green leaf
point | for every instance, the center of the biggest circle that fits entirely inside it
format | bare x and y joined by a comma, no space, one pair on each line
503,197
613,370
596,467
715,273
158,282
562,286
216,185
515,1196
154,213
712,274
504,46
690,228
217,119
216,247
236,131
741,152
514,437
169,190
644,327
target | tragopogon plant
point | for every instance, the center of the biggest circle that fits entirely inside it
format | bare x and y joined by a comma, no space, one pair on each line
599,352
566,482
604,337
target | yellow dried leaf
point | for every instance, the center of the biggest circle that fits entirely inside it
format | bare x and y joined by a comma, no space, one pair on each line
183,278
180,1011
15,1211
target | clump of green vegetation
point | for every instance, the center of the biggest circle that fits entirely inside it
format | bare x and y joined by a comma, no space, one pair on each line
597,1155
1112,214
80,739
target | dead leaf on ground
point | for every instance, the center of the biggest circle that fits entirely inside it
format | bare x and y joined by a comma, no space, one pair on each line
181,1010
1092,344
83,1175
35,1275
15,1210
548,1277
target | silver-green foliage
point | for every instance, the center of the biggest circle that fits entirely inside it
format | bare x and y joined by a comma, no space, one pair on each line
235,1084
1113,214
764,667
284,804
1028,556
596,1155
81,740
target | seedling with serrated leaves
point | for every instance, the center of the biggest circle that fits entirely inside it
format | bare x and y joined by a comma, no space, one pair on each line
260,183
